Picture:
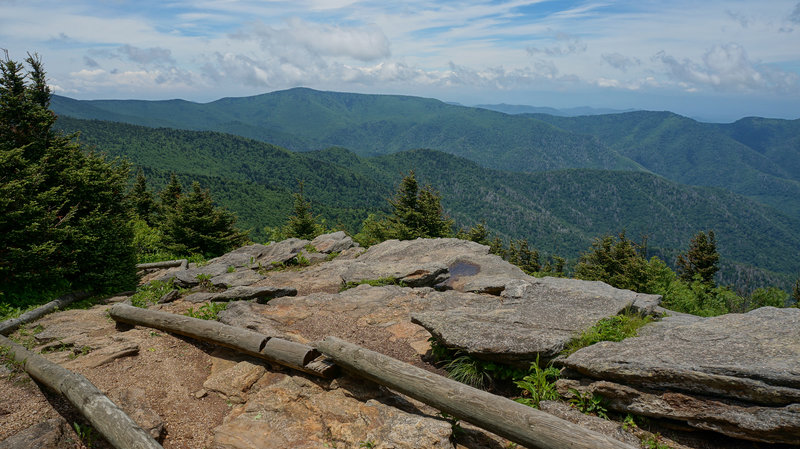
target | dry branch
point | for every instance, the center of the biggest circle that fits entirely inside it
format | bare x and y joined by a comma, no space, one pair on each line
519,423
287,353
8,326
105,416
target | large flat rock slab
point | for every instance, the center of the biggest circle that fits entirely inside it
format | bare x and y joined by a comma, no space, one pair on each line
247,257
537,317
443,263
753,357
295,412
772,425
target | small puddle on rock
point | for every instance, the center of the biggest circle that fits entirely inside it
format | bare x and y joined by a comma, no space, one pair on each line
457,271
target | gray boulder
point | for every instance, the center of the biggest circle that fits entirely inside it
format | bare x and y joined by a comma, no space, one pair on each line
335,242
735,419
251,257
51,434
442,263
753,357
533,318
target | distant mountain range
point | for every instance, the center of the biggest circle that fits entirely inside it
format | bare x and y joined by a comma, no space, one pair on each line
566,112
559,211
757,158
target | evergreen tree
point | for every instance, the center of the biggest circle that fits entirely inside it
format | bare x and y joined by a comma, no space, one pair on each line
302,224
196,226
479,234
416,213
701,259
528,259
171,194
142,199
796,292
64,223
616,262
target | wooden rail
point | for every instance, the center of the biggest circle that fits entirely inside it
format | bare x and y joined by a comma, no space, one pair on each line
294,355
105,416
519,423
9,326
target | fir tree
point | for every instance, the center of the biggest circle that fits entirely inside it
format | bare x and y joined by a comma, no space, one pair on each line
415,213
701,259
616,262
196,226
63,219
142,199
302,224
171,194
796,292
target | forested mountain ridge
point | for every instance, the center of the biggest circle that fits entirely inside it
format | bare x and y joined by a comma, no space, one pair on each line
558,212
304,119
758,158
755,157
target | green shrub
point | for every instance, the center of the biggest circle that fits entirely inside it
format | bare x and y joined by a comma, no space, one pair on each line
588,403
615,328
538,385
208,311
150,293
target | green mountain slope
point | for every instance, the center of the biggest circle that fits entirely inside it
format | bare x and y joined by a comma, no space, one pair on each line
558,211
745,158
305,119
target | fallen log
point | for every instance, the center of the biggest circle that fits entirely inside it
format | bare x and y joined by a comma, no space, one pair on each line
183,263
105,416
8,326
288,353
519,423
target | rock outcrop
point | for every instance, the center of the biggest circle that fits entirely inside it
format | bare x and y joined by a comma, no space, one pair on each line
737,374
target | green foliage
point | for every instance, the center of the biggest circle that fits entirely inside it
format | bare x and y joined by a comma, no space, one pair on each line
764,297
63,219
615,328
151,292
588,403
702,259
197,226
302,223
654,442
796,292
380,282
142,199
467,370
615,262
538,385
170,195
472,371
209,311
697,298
86,433
416,213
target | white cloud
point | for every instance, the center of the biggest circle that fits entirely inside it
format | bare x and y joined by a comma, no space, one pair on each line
620,61
566,44
726,68
366,43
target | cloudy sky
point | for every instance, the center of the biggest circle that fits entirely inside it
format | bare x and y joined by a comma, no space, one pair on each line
712,59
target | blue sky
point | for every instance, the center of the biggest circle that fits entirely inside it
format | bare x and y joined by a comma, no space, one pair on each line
715,60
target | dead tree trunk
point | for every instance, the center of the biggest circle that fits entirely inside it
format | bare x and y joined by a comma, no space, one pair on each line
183,263
519,423
9,326
108,419
294,355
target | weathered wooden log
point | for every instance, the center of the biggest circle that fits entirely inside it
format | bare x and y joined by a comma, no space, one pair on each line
105,416
183,263
287,353
519,423
8,326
